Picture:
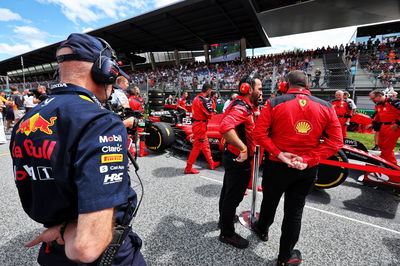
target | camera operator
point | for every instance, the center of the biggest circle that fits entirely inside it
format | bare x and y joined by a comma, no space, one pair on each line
62,154
39,94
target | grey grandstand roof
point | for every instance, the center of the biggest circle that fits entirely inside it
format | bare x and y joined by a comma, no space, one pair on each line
188,25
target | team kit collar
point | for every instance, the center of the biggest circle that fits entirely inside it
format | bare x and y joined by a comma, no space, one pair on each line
245,100
65,88
299,90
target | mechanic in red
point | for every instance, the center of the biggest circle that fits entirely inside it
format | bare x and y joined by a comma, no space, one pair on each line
388,116
343,111
237,128
181,106
136,103
201,113
290,127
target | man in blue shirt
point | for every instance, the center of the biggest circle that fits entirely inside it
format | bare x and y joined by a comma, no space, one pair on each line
70,161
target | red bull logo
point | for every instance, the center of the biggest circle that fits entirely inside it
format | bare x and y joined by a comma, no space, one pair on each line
35,123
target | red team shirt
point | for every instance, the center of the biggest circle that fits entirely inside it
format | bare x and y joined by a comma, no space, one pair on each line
295,122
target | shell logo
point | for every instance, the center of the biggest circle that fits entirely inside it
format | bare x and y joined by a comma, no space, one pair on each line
303,127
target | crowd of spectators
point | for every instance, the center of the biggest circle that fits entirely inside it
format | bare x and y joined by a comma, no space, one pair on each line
225,75
379,58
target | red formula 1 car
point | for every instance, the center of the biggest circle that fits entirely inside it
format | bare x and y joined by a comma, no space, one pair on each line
165,131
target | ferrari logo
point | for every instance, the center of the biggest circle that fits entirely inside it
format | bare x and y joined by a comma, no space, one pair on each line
302,102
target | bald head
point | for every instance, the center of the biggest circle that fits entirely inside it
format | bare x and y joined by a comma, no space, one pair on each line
73,70
339,95
297,79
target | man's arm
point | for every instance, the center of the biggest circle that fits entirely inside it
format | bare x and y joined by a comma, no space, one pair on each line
232,138
261,136
330,145
85,239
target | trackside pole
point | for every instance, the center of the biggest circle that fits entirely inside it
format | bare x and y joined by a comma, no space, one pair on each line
246,218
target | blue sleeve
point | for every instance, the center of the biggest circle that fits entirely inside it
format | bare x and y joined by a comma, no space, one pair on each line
101,176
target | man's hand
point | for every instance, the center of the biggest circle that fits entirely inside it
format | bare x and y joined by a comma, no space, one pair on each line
242,157
347,124
287,158
48,235
298,163
129,122
368,126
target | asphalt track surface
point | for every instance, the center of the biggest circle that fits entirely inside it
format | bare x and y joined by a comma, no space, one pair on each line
348,225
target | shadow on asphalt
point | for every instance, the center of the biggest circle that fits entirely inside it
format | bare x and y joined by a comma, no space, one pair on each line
319,196
180,241
209,191
393,245
10,252
168,172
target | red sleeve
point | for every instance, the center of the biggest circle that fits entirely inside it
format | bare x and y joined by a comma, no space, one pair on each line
332,142
261,131
233,118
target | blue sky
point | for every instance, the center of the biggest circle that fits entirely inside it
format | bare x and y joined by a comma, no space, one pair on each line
30,24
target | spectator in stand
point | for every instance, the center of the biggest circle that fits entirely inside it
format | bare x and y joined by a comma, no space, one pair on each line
343,111
228,102
309,74
317,76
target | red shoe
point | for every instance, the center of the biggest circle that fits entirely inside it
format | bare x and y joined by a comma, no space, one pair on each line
259,188
214,165
143,153
191,171
246,193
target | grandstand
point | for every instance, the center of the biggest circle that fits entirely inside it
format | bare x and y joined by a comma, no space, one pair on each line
172,37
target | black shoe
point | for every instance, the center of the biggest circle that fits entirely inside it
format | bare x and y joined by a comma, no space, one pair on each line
376,148
235,220
235,240
262,235
294,259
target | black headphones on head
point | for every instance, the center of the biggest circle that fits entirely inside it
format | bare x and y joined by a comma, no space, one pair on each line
105,70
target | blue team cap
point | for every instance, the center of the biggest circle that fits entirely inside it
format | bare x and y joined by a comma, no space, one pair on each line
88,48
85,48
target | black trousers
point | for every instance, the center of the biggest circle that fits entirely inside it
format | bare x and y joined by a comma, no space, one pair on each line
236,178
278,178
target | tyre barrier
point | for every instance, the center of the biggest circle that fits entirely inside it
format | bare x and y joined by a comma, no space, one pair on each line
161,136
332,176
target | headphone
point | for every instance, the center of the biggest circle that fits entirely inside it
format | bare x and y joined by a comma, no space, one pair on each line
105,70
283,87
246,85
